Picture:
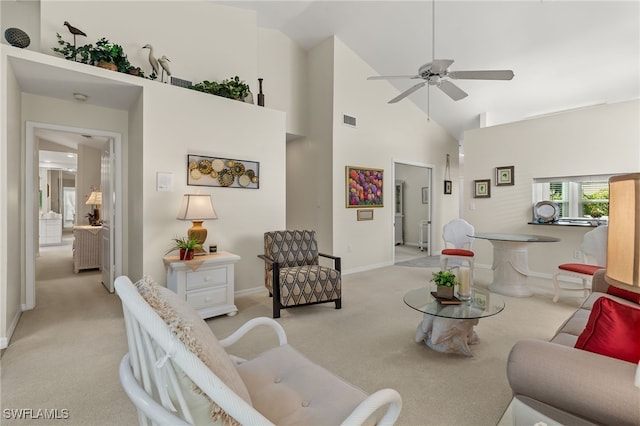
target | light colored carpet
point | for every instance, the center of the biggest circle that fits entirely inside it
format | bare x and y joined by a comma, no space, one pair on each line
422,262
65,353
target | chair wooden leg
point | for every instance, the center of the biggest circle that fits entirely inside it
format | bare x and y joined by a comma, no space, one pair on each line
339,304
276,308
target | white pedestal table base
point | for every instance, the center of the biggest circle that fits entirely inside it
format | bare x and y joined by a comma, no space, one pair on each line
510,269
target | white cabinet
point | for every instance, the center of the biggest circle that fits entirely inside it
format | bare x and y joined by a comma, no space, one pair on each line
206,282
87,247
51,230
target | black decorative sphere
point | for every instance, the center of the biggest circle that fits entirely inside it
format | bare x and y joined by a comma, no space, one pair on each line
16,37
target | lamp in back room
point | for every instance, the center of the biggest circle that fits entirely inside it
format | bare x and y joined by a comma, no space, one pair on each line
95,199
197,208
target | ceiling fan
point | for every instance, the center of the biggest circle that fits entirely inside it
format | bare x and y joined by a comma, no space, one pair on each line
436,73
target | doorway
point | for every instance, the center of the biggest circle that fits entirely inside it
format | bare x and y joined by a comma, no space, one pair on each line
103,142
413,209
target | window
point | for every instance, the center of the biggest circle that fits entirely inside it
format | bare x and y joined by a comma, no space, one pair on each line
579,197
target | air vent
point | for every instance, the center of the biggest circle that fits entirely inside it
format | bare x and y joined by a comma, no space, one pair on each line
348,120
175,81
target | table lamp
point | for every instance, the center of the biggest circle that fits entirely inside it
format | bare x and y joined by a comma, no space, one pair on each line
197,208
623,239
95,199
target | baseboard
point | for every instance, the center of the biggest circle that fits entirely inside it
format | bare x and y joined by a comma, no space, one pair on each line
248,291
4,341
366,268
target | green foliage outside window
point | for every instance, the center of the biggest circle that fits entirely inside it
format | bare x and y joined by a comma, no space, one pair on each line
600,204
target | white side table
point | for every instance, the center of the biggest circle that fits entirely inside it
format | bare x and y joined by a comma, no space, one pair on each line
206,282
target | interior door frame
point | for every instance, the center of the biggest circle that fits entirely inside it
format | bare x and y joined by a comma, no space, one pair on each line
430,168
30,197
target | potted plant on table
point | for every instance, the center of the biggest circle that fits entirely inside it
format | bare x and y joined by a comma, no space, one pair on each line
187,247
445,282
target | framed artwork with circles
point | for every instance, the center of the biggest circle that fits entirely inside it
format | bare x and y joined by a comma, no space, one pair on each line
223,172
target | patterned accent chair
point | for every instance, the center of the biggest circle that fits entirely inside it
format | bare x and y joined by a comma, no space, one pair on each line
293,275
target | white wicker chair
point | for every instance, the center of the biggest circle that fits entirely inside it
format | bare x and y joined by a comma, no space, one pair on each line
150,374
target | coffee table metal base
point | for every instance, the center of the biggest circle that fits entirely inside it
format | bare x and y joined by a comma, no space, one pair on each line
447,335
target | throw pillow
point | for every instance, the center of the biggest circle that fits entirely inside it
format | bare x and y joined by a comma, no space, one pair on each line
625,294
185,322
613,330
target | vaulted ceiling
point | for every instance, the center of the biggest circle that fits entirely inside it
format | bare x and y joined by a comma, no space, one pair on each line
565,54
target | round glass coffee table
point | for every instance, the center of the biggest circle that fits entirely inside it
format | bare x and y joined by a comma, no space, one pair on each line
447,326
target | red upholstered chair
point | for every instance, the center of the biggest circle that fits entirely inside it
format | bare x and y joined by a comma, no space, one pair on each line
594,250
457,244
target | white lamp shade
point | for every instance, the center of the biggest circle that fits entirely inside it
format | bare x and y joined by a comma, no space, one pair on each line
196,207
623,241
95,198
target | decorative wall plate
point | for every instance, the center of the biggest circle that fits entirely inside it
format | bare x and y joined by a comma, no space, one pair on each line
546,211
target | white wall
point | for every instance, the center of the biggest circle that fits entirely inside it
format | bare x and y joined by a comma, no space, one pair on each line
598,140
384,133
12,238
204,41
283,66
178,122
309,161
24,15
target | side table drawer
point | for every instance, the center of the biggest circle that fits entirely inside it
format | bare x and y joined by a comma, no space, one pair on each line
207,298
206,278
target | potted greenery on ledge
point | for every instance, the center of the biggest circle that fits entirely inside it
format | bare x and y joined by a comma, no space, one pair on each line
104,54
445,282
232,88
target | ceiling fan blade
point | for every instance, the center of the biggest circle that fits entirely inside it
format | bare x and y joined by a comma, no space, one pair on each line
438,66
392,77
407,92
453,91
482,75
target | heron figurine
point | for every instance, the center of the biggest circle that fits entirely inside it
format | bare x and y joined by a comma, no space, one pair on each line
152,59
164,63
75,31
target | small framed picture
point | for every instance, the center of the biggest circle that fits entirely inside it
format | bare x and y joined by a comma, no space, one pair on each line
480,299
447,187
482,188
504,176
425,195
365,214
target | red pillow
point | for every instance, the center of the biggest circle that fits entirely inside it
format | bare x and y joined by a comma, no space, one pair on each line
613,330
625,294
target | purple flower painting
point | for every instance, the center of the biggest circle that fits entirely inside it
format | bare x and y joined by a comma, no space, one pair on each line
364,187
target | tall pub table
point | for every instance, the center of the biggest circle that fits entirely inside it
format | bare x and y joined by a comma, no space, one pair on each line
510,261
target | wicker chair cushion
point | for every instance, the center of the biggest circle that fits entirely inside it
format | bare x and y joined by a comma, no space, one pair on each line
190,328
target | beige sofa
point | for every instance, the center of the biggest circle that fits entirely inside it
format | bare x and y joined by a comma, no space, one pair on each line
574,386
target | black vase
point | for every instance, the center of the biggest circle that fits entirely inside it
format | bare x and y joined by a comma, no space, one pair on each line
260,94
